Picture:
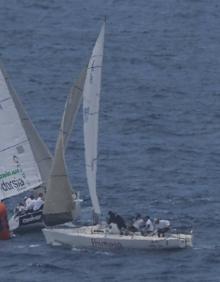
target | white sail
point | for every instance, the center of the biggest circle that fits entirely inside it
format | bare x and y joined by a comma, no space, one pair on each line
91,97
58,207
19,171
40,150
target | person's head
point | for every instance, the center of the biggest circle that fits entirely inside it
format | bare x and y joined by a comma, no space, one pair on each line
110,213
157,220
138,216
147,217
40,195
32,197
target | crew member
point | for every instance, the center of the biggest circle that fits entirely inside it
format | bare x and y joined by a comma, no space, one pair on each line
29,203
38,203
111,217
120,222
149,228
162,226
138,223
116,219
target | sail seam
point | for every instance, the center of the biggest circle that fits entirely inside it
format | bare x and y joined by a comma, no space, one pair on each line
58,175
94,113
44,159
76,87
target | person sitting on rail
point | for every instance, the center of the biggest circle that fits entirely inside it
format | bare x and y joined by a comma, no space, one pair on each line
149,227
120,222
114,218
162,226
39,202
111,217
138,224
29,203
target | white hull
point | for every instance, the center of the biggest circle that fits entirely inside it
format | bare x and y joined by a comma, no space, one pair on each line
93,237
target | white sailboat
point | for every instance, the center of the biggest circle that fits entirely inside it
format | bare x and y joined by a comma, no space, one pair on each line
101,236
25,160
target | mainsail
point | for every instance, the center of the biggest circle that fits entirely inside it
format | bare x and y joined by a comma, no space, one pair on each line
91,97
58,207
39,149
24,158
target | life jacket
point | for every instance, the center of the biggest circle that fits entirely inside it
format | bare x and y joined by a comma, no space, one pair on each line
4,228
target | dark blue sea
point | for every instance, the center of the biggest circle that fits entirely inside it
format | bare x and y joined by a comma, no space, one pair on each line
159,131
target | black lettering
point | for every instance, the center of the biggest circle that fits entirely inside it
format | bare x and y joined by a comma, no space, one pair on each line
15,184
21,182
4,187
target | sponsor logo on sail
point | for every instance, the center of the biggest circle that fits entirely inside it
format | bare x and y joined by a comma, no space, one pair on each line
9,173
12,184
13,179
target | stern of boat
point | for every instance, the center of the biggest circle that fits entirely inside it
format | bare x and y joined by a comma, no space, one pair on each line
185,240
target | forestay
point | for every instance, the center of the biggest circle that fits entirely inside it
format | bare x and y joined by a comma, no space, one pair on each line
58,207
91,97
19,170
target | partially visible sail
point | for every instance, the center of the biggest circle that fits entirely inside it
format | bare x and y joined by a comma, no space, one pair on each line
19,170
91,97
40,151
58,207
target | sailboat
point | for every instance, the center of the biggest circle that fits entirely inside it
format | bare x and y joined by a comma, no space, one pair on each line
100,236
25,160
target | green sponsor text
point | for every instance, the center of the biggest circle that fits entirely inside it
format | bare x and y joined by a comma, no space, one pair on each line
9,173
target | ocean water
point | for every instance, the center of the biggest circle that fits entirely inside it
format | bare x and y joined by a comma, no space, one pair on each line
159,133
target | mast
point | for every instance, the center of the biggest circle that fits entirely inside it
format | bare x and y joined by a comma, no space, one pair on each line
91,97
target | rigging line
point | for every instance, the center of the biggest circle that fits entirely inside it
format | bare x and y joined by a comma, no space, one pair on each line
94,67
44,159
22,142
6,99
63,131
96,56
25,119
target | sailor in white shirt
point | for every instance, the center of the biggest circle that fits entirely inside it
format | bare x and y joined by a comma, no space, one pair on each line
138,223
29,203
149,225
39,202
162,226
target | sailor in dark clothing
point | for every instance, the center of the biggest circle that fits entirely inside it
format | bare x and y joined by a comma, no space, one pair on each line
116,219
111,217
120,222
